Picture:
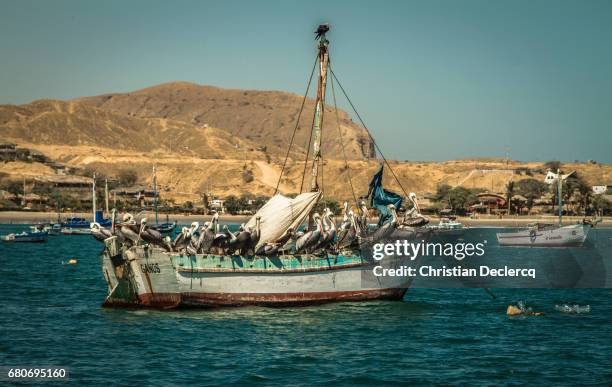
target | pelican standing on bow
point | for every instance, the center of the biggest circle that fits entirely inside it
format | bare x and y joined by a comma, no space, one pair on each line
129,230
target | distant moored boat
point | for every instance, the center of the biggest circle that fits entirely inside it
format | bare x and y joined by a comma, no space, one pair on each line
26,237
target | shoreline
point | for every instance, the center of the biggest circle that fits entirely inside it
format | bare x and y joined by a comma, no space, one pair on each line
24,217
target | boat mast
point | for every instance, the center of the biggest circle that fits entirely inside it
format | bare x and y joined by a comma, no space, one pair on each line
106,196
93,197
57,205
559,202
320,103
155,194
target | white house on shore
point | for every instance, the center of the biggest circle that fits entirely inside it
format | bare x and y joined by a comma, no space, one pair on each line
551,177
600,189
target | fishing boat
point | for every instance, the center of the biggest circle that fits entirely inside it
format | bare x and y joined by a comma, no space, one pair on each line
82,226
449,226
26,237
549,235
546,235
49,228
319,265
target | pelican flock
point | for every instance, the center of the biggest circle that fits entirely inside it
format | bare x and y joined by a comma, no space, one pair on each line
210,238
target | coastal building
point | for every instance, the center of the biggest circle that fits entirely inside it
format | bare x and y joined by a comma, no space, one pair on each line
61,169
601,189
135,194
5,195
217,205
490,203
551,177
8,152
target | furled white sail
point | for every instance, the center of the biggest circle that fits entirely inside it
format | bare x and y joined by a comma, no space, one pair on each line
281,213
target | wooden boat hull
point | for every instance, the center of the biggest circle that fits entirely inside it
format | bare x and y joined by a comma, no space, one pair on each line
566,236
154,278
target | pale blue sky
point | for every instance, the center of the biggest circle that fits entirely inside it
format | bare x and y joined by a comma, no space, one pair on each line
434,80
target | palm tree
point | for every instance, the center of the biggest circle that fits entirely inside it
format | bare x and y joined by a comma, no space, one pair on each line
509,193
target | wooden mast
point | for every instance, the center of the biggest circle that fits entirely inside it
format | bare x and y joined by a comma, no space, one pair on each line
93,196
155,194
320,103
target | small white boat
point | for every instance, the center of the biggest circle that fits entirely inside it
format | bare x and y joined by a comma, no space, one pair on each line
26,237
51,229
75,231
549,235
546,235
449,226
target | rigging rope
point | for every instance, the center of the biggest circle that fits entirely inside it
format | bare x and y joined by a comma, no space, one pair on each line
348,170
297,123
308,150
368,131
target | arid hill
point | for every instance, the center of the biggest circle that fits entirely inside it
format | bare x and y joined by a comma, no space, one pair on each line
206,139
51,122
265,117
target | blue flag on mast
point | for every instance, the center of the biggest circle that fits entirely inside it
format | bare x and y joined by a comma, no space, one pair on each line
380,198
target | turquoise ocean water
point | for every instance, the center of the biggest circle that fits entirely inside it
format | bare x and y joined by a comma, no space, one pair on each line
50,315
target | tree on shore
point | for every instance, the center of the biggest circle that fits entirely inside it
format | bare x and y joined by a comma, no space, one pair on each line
509,194
553,165
127,177
531,189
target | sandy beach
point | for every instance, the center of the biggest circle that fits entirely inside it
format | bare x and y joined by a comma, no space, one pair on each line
24,217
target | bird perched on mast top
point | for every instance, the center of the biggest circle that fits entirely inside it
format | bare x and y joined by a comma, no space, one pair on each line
321,30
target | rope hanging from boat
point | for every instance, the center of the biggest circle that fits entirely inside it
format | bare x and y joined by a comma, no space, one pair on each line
297,123
348,170
307,152
367,131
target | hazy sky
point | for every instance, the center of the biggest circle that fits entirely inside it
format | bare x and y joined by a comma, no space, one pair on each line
434,80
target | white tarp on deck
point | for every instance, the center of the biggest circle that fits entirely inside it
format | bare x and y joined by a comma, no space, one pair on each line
280,213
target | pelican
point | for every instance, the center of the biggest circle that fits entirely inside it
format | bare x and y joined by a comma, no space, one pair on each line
215,222
231,242
364,217
151,236
207,236
239,241
279,244
348,231
329,230
129,230
386,229
220,240
413,217
181,240
311,238
100,233
268,249
255,234
288,235
192,241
